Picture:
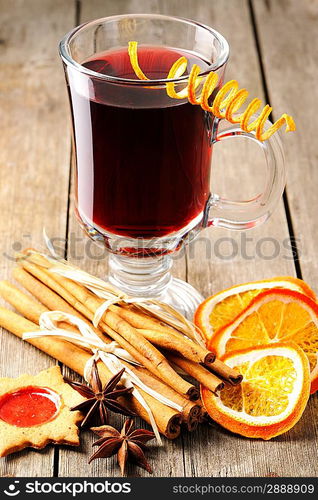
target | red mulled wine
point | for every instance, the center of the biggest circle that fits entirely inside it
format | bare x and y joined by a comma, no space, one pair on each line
143,159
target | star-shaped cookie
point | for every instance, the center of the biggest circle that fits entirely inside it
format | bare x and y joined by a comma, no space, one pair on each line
35,411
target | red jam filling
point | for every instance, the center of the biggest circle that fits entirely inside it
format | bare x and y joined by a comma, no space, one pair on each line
29,406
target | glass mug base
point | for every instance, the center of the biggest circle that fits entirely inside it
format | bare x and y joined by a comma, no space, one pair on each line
142,247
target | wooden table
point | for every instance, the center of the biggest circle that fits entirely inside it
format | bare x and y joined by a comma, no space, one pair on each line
273,54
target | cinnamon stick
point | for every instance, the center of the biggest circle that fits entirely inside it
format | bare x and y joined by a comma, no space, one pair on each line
138,319
32,310
155,357
164,336
226,372
16,297
152,358
45,295
66,288
198,372
167,419
55,302
191,413
179,344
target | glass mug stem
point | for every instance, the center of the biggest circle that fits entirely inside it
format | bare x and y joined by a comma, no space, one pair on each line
139,277
151,277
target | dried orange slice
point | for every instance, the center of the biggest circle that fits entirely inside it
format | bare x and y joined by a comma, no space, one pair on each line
273,316
220,309
272,396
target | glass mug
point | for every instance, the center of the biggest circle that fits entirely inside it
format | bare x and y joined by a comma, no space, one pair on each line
143,159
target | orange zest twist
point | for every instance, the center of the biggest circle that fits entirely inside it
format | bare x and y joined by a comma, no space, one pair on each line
133,56
227,101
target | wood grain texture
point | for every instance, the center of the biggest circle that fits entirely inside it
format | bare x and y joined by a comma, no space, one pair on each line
209,271
165,461
34,160
222,258
290,59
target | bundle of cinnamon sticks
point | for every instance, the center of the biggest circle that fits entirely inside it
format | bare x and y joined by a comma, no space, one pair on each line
160,350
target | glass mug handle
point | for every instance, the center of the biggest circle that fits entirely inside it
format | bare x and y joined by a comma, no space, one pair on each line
250,213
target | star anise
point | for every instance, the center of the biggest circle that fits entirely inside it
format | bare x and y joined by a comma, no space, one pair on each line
128,444
100,399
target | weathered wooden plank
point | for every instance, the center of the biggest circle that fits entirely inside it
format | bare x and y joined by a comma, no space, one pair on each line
223,258
85,253
34,159
259,458
290,63
209,268
215,273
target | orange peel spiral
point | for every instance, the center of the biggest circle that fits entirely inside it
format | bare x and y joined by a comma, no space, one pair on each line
133,56
226,103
